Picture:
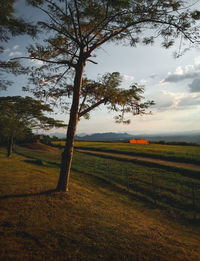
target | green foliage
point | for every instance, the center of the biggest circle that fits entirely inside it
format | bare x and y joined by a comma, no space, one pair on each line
106,91
11,26
19,116
76,29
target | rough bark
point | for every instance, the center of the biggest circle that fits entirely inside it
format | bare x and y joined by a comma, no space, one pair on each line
10,146
66,159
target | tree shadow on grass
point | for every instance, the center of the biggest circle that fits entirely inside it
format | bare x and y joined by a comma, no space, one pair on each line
25,195
35,161
40,162
147,199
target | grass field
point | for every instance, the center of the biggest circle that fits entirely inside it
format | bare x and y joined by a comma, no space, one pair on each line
99,219
171,152
175,190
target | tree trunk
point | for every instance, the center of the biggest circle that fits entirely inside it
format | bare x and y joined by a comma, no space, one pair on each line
66,159
10,146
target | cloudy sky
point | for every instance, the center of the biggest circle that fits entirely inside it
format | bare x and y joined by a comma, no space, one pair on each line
174,85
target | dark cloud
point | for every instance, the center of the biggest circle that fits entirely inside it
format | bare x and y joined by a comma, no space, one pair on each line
163,100
195,85
181,77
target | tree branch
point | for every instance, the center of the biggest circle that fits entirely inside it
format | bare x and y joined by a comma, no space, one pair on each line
78,20
118,31
47,61
92,61
92,107
74,25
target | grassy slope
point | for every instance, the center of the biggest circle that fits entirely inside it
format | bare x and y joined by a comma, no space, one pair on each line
170,152
95,221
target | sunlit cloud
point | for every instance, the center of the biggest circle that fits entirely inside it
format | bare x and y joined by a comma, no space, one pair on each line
184,73
179,71
126,77
197,60
189,100
163,82
169,101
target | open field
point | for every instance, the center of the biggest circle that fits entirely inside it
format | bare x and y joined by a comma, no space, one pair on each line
175,189
171,152
102,217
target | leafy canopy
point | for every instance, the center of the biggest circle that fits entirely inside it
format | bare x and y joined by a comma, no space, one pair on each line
107,91
11,26
74,29
20,114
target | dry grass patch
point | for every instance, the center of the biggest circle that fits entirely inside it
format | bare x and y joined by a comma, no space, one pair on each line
94,221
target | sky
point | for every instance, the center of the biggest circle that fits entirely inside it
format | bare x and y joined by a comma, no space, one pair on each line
174,85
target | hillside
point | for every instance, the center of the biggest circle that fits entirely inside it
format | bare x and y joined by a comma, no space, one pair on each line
108,136
112,136
94,221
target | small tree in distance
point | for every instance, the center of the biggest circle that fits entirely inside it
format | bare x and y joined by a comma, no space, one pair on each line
75,29
21,115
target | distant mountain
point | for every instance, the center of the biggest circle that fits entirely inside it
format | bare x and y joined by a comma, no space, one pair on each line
190,137
108,136
187,136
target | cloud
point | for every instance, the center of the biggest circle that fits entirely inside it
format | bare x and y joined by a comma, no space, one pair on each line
189,100
197,60
143,81
15,53
195,85
174,78
163,100
126,77
184,73
153,76
15,47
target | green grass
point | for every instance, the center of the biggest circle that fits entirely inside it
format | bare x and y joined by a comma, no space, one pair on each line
94,221
172,152
170,190
175,190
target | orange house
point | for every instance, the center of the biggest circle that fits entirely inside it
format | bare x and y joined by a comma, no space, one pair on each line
141,141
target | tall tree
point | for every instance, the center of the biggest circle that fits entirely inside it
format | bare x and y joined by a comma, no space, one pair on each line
21,115
75,29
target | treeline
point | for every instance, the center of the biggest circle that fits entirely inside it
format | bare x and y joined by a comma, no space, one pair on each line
28,137
181,143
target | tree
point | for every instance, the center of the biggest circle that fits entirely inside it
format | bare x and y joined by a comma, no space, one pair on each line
75,29
106,91
11,26
21,115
